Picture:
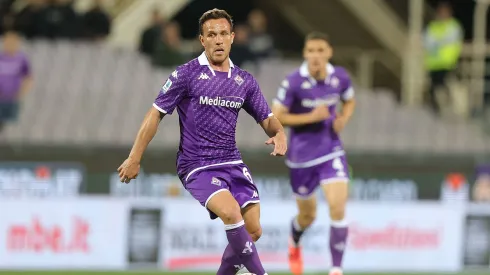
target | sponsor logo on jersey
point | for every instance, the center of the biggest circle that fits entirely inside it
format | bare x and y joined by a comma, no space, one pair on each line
312,103
228,101
203,76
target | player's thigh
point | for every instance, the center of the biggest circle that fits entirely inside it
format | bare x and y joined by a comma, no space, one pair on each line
334,182
211,189
304,182
242,186
251,216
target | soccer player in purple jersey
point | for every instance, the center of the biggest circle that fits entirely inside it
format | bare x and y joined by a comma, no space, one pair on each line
306,102
208,92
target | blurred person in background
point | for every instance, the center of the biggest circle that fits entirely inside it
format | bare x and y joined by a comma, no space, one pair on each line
241,49
481,189
15,77
261,42
61,20
96,22
167,51
31,20
5,15
306,102
443,43
150,35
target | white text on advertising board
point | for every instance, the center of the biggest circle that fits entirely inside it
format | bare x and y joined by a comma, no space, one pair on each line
39,237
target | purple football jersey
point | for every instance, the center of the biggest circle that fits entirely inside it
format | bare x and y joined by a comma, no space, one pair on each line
312,144
13,68
208,103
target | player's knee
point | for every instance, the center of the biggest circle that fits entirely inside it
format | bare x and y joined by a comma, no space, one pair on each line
337,211
306,219
231,214
255,233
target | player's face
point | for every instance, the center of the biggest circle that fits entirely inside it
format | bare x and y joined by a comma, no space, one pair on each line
216,39
11,43
317,53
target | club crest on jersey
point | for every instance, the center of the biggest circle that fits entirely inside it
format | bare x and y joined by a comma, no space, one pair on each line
306,85
215,181
166,86
239,80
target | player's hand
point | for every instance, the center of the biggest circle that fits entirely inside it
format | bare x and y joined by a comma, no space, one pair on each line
129,170
320,113
339,124
280,144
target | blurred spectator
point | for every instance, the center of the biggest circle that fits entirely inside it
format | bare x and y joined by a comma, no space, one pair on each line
31,21
481,189
151,34
96,22
443,44
167,50
241,50
61,20
15,77
261,43
5,15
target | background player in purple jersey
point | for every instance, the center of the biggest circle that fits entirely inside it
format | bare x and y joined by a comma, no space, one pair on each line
306,102
208,92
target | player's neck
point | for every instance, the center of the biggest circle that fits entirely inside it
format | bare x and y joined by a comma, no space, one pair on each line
220,67
319,75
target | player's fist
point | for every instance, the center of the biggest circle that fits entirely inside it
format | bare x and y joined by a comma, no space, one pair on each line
320,113
129,170
280,144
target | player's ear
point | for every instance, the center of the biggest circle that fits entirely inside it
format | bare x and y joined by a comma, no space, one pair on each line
232,37
330,52
201,39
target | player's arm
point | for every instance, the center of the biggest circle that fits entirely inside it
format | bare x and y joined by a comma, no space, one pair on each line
348,104
287,119
256,105
275,131
347,96
348,108
171,93
147,131
283,102
272,126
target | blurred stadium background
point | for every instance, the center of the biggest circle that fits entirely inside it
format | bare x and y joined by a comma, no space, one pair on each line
420,153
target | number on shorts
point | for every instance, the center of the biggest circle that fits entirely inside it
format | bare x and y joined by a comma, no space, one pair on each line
247,174
339,167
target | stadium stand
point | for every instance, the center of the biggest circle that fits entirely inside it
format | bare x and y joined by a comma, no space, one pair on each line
94,95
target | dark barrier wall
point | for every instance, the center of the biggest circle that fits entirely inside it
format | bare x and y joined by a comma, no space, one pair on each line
428,171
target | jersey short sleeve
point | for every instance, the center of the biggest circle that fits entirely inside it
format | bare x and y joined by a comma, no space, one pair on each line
255,104
347,91
172,92
285,94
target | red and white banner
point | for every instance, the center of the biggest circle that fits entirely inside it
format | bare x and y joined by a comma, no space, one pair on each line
404,237
63,234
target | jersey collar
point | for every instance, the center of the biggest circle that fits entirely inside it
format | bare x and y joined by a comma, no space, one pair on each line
203,61
303,71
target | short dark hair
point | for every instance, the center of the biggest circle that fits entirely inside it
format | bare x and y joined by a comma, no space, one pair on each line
317,36
214,14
